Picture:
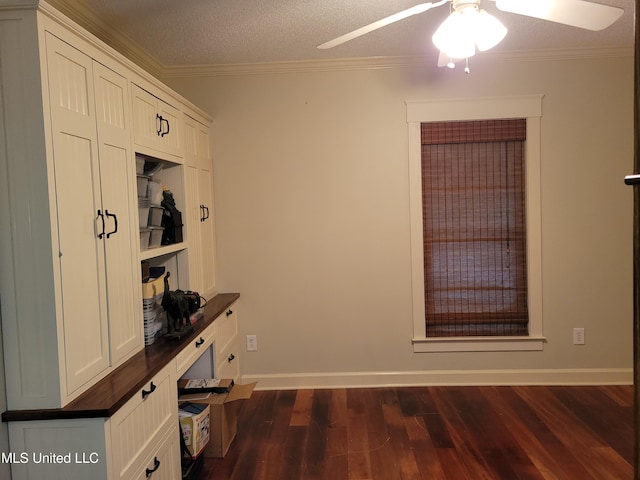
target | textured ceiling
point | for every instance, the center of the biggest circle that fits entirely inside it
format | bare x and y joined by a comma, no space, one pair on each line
218,32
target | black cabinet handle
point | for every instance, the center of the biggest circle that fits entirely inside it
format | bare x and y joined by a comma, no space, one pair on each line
159,120
229,312
164,132
199,342
632,179
206,209
146,393
115,220
101,217
231,358
202,213
156,466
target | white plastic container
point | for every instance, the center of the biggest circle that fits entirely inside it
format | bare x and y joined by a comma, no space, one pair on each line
156,237
143,211
145,234
154,192
139,164
155,215
143,185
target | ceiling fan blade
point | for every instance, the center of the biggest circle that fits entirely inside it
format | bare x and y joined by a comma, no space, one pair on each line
577,13
421,8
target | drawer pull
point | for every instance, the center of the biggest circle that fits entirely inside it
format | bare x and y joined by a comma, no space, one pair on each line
101,217
199,342
229,312
115,223
231,358
156,466
146,393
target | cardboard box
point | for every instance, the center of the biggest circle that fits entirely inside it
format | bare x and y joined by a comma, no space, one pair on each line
204,385
223,416
195,426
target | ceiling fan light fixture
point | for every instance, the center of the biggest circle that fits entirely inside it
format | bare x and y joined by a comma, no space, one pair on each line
489,31
455,36
465,29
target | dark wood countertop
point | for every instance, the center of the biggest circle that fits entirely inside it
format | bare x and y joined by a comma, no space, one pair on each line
112,392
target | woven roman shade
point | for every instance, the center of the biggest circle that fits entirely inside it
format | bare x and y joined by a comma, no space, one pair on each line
474,228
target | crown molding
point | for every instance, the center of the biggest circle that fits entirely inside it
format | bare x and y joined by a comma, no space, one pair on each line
376,63
87,19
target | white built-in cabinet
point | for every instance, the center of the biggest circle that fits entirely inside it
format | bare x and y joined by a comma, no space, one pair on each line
72,300
74,115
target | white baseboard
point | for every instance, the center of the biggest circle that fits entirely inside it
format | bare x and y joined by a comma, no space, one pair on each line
593,376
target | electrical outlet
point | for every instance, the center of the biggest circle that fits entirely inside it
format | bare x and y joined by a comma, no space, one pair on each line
578,336
252,343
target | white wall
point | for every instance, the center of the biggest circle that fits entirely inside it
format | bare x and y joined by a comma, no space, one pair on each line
311,180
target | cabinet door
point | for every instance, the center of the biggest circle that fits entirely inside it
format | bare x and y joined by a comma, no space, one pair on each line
119,201
83,316
165,464
194,220
142,422
146,122
207,232
200,207
156,124
171,128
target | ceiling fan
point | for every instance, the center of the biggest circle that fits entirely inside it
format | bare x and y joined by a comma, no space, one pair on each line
468,27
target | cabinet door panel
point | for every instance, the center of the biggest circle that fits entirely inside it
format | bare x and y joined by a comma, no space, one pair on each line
145,123
172,141
123,291
207,238
77,196
119,202
194,222
165,464
141,422
81,264
200,207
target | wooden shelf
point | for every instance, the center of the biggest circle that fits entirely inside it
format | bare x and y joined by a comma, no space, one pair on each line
163,250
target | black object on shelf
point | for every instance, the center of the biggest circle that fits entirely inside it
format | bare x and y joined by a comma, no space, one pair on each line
171,220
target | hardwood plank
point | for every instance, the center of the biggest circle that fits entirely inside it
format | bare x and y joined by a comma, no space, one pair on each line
302,408
336,462
607,423
546,451
432,433
464,442
316,451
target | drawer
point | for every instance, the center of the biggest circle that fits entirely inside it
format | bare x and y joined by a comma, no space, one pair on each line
142,422
164,461
226,331
228,366
197,347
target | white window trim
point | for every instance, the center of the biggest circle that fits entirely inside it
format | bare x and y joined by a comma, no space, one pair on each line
487,108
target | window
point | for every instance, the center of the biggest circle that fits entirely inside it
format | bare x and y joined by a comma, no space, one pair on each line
436,294
473,204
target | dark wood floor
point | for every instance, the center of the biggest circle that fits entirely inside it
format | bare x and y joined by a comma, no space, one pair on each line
434,433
